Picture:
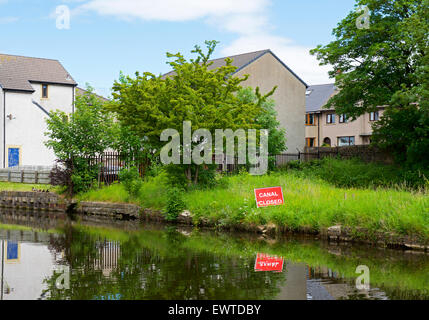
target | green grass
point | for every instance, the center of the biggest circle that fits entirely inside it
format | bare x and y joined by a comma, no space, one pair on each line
314,204
310,203
357,174
12,186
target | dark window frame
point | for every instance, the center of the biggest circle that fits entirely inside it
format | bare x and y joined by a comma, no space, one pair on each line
349,139
310,142
330,118
374,116
45,91
310,119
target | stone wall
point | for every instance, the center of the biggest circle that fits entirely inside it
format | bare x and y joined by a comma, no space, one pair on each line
116,210
32,201
46,201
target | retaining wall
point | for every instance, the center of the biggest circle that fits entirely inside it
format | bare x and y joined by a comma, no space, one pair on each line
117,210
32,201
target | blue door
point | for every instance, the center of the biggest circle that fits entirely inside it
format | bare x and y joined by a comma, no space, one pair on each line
13,157
12,250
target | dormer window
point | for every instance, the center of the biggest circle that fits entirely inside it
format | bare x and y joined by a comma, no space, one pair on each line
45,91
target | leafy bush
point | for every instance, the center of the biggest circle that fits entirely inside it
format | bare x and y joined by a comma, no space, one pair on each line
75,175
175,204
130,178
75,137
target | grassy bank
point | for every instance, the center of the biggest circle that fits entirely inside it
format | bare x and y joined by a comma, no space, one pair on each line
310,202
12,186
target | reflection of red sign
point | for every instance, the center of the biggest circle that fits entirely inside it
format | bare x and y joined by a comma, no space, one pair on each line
269,197
266,263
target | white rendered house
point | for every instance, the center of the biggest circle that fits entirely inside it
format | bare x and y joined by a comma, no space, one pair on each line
30,88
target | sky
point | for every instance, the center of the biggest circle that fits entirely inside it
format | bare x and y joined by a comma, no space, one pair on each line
105,37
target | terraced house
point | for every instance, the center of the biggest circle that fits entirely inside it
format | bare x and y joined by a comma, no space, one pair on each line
325,128
30,88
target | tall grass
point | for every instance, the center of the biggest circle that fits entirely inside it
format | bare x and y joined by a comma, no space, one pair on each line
315,204
310,203
354,173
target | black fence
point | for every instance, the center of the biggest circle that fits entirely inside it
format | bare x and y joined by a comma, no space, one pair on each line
110,164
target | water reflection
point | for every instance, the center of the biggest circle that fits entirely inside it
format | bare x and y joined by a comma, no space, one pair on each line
154,262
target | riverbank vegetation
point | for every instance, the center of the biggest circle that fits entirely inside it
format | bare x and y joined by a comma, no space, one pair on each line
312,203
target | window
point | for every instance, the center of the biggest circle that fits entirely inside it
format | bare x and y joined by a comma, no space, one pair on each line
310,142
330,118
346,141
44,91
309,119
374,116
343,118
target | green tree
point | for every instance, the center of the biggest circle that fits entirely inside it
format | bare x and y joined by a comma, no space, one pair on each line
371,65
134,151
267,119
404,128
385,65
207,97
77,136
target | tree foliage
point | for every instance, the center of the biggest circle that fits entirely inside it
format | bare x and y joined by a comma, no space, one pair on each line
404,128
385,65
371,65
267,119
193,91
77,136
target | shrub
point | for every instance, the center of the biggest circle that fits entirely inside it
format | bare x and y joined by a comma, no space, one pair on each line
175,204
130,179
76,176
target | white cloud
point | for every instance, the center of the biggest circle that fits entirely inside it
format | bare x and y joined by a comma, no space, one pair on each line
6,20
173,10
248,19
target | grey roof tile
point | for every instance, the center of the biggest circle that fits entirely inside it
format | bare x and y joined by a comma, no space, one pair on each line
319,96
241,61
16,72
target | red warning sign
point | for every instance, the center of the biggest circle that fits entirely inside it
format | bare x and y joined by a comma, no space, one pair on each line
265,262
269,197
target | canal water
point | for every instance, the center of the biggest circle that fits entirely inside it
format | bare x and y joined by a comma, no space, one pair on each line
52,257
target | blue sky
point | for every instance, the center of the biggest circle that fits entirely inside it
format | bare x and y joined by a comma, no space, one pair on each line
107,36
